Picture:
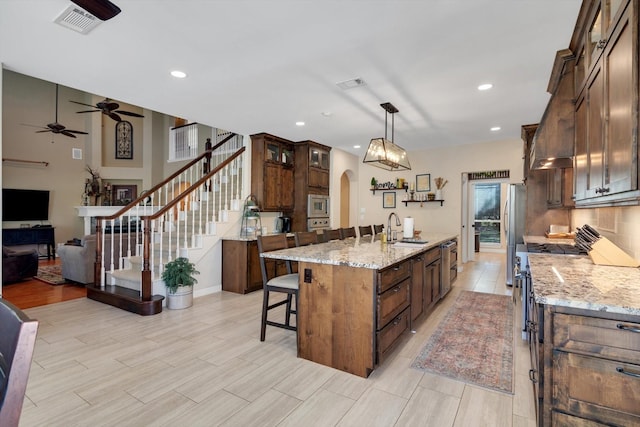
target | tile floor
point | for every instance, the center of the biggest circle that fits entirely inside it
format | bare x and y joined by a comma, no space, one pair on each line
95,365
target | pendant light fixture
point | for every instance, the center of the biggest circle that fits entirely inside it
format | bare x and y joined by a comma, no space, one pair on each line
383,153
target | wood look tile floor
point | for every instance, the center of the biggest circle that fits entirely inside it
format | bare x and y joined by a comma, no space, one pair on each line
95,365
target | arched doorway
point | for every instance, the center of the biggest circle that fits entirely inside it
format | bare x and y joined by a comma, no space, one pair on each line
345,199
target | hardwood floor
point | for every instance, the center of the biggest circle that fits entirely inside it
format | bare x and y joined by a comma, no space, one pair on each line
34,293
205,366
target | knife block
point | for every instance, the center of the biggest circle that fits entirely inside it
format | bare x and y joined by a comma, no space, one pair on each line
605,252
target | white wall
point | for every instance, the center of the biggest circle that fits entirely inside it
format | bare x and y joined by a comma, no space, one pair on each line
447,162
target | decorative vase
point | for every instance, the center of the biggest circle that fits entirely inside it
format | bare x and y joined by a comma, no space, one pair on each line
438,194
183,298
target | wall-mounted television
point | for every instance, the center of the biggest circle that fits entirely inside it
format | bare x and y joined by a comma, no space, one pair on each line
25,205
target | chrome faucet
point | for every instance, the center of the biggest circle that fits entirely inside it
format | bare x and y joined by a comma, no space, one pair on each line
398,223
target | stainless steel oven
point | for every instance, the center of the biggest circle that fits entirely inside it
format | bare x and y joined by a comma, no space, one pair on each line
317,224
318,206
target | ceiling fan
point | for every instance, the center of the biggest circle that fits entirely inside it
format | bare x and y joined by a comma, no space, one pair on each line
109,108
56,127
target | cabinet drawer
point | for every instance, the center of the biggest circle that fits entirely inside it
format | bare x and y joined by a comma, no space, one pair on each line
607,338
431,256
393,301
389,277
596,389
390,335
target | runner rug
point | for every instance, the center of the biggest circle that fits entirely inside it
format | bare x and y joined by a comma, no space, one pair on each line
474,342
51,274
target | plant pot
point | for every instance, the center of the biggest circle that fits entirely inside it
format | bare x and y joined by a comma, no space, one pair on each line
183,298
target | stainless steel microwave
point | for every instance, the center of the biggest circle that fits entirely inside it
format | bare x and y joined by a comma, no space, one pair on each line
318,206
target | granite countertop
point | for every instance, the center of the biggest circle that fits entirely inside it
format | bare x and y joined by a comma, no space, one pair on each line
360,252
575,281
250,238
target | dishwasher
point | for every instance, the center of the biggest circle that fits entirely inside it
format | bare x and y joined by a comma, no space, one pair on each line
448,265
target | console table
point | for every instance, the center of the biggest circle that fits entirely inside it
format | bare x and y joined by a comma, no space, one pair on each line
31,236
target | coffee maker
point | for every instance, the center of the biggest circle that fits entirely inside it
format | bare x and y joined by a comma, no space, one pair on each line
283,224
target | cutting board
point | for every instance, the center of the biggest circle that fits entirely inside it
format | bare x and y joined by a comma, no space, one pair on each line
604,252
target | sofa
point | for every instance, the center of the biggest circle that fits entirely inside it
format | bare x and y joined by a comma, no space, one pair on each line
78,258
18,264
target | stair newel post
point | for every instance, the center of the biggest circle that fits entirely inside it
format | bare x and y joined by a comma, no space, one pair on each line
146,271
98,270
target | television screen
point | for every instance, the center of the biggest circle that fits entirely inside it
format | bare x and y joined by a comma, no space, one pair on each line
25,205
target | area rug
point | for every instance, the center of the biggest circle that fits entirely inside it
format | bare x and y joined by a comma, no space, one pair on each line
474,342
51,274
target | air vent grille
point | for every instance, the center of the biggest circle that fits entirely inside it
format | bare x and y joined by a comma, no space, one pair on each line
77,19
350,84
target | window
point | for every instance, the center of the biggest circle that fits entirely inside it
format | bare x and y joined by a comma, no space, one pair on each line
183,142
487,213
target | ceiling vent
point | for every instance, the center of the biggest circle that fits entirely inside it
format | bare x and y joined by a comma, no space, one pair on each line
350,84
77,19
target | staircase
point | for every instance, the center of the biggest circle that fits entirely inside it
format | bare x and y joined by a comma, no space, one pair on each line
177,217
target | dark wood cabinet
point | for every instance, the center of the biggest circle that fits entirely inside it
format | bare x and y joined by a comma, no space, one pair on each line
272,172
606,155
560,188
240,266
312,166
584,366
425,284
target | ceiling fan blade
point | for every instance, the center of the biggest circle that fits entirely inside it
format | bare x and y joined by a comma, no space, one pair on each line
77,131
89,111
43,131
33,126
129,113
66,133
114,116
82,103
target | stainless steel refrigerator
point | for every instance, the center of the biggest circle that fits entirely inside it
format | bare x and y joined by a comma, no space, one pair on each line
513,218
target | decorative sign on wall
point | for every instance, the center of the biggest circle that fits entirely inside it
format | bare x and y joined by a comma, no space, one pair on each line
124,140
423,182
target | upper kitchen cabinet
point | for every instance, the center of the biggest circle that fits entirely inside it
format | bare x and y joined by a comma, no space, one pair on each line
552,145
606,108
311,177
272,172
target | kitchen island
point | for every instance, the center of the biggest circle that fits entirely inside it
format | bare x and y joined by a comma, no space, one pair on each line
585,341
354,301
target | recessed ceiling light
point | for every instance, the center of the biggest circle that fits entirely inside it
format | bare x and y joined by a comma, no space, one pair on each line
178,74
327,113
485,86
299,123
495,128
356,146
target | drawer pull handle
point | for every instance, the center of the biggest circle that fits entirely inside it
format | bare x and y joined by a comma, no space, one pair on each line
396,321
397,268
629,373
627,328
532,376
396,289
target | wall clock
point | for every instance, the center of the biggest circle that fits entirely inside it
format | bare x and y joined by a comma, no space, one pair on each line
124,140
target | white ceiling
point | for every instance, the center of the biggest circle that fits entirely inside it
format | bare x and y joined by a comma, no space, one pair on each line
261,65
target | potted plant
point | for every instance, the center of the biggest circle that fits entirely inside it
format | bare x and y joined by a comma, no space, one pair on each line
178,278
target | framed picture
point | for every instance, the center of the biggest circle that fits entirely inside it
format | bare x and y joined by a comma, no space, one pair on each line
122,195
389,199
124,140
423,182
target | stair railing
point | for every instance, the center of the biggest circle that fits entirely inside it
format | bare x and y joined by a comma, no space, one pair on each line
155,216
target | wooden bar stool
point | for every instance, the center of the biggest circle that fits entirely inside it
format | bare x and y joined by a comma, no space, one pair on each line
331,235
275,278
365,230
347,232
304,238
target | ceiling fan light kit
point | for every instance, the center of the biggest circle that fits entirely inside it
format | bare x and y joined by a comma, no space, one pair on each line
101,9
383,153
